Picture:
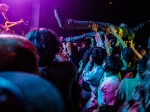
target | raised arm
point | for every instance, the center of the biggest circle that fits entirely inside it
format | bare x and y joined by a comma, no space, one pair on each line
113,32
98,36
138,55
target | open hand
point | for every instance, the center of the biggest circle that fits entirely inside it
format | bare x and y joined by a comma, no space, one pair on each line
112,29
94,27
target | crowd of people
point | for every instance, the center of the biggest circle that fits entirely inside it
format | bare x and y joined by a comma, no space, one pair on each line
99,71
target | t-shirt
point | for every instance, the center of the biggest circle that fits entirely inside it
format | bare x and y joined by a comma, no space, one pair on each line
126,88
61,74
107,89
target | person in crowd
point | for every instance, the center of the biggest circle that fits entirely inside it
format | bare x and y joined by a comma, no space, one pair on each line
83,47
109,84
3,10
63,73
127,32
141,96
127,56
92,74
5,24
127,85
21,87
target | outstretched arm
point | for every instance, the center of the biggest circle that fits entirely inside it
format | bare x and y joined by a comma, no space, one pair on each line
2,26
141,25
98,37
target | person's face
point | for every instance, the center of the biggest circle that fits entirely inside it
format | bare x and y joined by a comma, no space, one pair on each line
5,10
143,52
83,45
64,52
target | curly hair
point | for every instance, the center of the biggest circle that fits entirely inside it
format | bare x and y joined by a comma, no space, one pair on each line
113,64
46,44
98,55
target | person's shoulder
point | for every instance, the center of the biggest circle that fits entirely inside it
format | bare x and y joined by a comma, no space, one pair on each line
64,64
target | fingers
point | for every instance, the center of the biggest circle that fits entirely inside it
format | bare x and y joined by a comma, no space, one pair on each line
94,27
111,27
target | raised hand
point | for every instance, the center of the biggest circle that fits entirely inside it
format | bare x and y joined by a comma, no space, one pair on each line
112,29
94,27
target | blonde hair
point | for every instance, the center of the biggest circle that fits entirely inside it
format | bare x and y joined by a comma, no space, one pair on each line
3,6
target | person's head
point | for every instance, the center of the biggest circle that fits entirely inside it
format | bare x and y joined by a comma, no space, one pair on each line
112,64
98,55
127,54
4,8
25,92
46,44
85,45
64,52
17,54
143,52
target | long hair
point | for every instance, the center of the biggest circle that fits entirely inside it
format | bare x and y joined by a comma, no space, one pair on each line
46,44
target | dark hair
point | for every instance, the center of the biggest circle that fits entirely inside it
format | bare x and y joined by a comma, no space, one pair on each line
86,56
46,44
113,64
19,92
128,54
98,55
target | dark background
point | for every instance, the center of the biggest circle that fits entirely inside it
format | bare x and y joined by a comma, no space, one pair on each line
131,12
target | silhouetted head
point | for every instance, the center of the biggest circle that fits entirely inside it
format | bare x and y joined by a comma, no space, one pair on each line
46,44
128,54
98,55
112,64
17,54
24,92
